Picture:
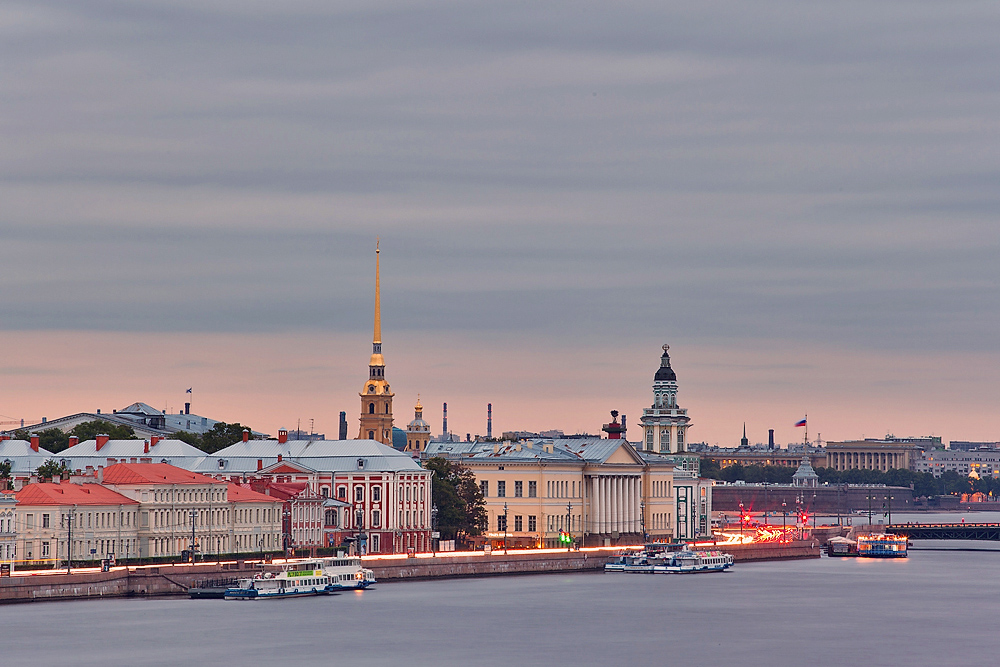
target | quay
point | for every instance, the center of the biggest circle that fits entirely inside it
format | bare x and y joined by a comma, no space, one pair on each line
176,579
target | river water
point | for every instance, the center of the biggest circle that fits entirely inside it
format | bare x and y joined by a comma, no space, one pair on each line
938,607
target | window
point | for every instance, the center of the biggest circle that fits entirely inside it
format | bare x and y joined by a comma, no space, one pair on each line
484,488
45,548
501,522
376,494
386,408
376,519
407,493
371,408
29,521
359,494
45,524
518,489
342,492
375,544
518,525
501,489
532,489
371,435
325,491
532,523
361,464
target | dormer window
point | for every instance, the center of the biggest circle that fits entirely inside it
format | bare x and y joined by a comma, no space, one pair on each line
371,388
361,464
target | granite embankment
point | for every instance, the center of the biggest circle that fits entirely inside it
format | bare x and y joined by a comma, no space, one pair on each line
176,579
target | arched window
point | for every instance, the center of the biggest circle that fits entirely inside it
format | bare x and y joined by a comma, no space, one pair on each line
386,408
371,435
371,408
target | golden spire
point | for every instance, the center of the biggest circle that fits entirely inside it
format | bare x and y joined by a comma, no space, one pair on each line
418,407
377,337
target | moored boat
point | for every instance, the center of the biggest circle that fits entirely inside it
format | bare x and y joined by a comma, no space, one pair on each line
882,545
294,580
693,562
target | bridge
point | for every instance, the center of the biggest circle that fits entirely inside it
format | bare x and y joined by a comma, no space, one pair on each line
946,531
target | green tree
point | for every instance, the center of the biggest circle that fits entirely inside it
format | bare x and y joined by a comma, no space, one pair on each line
92,429
460,504
5,467
50,469
221,436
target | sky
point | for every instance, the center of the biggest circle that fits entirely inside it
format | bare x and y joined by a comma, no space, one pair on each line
799,197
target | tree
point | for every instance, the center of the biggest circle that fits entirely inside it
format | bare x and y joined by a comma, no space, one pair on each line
92,429
5,467
51,469
459,501
221,436
52,439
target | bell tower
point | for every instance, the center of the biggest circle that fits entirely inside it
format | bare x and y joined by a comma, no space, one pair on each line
376,398
664,423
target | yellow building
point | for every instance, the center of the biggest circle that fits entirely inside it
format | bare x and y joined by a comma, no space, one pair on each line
600,491
376,397
880,455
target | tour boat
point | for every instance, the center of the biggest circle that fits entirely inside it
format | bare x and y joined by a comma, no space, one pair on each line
692,562
882,545
293,581
347,573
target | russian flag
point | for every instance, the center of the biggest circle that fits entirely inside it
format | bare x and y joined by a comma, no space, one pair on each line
801,423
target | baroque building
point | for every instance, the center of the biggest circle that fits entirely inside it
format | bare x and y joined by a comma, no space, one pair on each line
376,397
665,424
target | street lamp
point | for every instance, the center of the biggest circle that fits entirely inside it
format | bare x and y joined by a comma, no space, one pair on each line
359,516
569,525
784,517
193,514
434,529
505,528
741,519
642,519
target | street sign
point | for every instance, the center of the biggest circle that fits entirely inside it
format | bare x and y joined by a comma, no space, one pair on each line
436,534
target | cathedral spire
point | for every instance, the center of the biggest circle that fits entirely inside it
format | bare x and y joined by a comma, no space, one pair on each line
377,336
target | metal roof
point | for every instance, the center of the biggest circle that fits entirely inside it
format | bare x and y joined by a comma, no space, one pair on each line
584,450
324,455
22,457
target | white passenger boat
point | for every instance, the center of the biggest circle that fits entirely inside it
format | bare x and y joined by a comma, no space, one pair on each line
347,573
692,562
294,580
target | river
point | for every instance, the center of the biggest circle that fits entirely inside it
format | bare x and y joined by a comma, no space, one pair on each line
937,607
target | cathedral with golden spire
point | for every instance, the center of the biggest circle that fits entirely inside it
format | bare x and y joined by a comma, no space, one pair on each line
376,397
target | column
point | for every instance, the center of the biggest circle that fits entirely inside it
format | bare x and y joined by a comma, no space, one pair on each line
620,496
633,505
596,503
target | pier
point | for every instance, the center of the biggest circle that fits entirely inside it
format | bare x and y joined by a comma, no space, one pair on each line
946,531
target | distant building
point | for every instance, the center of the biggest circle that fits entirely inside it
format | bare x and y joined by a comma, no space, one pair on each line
601,491
967,446
805,476
873,454
24,456
102,451
982,462
90,521
8,532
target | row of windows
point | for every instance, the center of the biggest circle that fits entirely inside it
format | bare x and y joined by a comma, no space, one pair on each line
406,492
195,496
484,488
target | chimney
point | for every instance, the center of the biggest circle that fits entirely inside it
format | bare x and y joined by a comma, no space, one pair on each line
343,425
282,436
279,458
770,438
489,420
444,421
153,439
624,429
260,464
4,436
145,447
100,474
73,440
187,408
102,440
34,441
246,435
496,448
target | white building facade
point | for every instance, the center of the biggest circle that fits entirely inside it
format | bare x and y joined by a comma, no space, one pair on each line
664,423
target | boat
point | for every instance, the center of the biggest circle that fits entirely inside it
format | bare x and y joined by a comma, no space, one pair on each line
347,573
692,562
674,558
292,581
882,545
841,546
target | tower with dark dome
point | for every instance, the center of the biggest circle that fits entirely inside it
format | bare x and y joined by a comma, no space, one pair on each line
664,424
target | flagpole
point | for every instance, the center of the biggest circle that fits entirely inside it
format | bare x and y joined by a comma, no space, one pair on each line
806,443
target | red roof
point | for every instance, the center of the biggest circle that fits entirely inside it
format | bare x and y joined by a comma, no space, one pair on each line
242,494
47,493
153,473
